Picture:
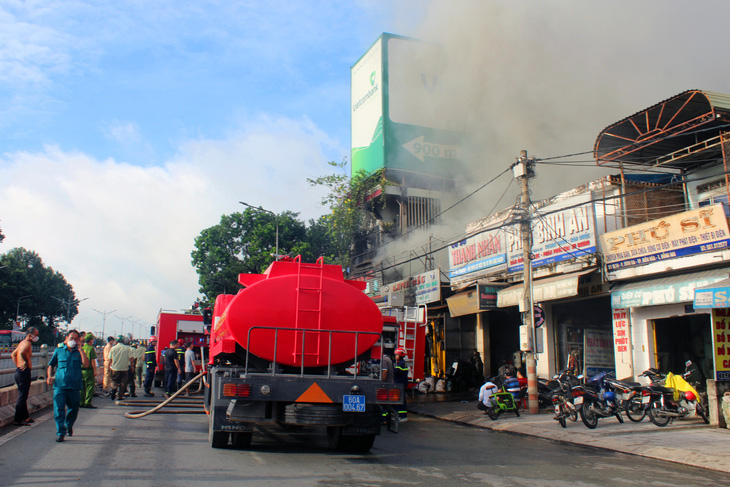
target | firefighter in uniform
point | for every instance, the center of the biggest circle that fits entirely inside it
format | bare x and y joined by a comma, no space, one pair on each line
400,376
150,359
181,359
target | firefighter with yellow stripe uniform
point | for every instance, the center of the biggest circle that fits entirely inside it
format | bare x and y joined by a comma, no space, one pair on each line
400,376
150,360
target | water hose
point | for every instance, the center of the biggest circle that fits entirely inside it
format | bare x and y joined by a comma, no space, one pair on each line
142,414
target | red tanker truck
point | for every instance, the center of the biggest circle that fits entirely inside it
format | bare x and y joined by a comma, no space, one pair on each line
298,346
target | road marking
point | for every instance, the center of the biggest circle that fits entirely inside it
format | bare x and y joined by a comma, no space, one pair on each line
257,457
23,429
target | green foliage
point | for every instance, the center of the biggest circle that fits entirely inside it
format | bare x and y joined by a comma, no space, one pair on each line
347,199
26,275
244,243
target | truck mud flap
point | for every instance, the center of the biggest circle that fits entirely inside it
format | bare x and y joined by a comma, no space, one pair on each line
246,411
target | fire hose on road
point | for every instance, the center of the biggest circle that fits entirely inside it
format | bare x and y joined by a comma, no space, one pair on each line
142,414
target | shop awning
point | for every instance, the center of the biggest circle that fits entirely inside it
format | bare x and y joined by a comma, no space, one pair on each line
713,296
547,289
481,298
667,290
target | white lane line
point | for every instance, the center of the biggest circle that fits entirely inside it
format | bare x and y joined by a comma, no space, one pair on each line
19,430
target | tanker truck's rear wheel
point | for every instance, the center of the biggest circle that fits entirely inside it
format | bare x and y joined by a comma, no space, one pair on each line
352,443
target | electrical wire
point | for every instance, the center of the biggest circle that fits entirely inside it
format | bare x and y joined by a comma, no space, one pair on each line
435,217
504,224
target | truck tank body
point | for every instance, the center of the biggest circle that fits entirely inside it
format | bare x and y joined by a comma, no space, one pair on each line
341,322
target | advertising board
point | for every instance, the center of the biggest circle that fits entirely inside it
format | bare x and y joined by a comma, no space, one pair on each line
366,95
721,342
687,233
478,255
556,236
421,289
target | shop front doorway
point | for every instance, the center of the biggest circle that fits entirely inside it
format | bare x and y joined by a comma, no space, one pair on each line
683,338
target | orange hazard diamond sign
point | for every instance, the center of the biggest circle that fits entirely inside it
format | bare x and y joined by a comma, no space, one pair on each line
314,394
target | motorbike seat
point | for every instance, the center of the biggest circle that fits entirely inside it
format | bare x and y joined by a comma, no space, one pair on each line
661,389
627,384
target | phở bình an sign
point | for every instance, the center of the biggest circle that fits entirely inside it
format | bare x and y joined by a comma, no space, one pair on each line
557,235
687,233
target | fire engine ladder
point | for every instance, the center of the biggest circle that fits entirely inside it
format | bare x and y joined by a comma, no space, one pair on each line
408,340
308,308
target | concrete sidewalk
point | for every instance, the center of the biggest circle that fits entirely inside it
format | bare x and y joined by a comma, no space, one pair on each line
689,441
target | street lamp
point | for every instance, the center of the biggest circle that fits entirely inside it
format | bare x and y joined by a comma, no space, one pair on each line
17,309
276,219
68,304
103,320
122,319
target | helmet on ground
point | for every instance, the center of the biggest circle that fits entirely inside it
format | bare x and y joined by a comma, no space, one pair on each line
689,395
400,351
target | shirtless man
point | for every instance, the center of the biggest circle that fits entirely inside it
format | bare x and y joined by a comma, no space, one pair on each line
22,357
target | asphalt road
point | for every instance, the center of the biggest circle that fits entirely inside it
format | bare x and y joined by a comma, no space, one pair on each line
172,450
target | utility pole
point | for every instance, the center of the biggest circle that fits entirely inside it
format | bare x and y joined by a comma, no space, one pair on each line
523,170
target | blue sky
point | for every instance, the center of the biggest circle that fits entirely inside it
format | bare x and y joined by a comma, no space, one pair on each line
133,80
127,127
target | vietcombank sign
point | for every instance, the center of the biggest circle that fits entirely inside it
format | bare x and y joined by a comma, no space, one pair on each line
399,109
367,111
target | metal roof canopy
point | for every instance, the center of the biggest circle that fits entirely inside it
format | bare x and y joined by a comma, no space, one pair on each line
681,132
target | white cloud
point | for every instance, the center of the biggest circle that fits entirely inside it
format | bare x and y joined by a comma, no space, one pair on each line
122,132
122,234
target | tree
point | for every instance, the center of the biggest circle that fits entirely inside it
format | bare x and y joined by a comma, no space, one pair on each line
26,275
348,199
244,243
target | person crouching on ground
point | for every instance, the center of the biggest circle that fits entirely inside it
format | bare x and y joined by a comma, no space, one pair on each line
68,360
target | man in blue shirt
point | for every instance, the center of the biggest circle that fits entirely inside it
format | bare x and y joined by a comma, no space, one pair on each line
68,360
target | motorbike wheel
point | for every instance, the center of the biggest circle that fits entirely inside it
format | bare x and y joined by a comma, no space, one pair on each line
635,411
572,414
656,417
493,413
561,420
588,417
702,413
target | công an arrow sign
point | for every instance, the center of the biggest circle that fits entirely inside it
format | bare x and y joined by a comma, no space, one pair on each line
421,149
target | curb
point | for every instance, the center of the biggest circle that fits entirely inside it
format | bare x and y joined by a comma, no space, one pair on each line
36,403
716,461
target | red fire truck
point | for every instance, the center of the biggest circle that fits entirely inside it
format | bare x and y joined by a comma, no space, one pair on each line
175,325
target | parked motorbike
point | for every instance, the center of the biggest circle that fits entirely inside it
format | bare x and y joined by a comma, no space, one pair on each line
629,397
594,400
501,401
562,397
665,404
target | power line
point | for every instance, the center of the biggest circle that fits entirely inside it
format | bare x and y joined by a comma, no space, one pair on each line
504,223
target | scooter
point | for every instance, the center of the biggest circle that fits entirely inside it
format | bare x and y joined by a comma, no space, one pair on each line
500,401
